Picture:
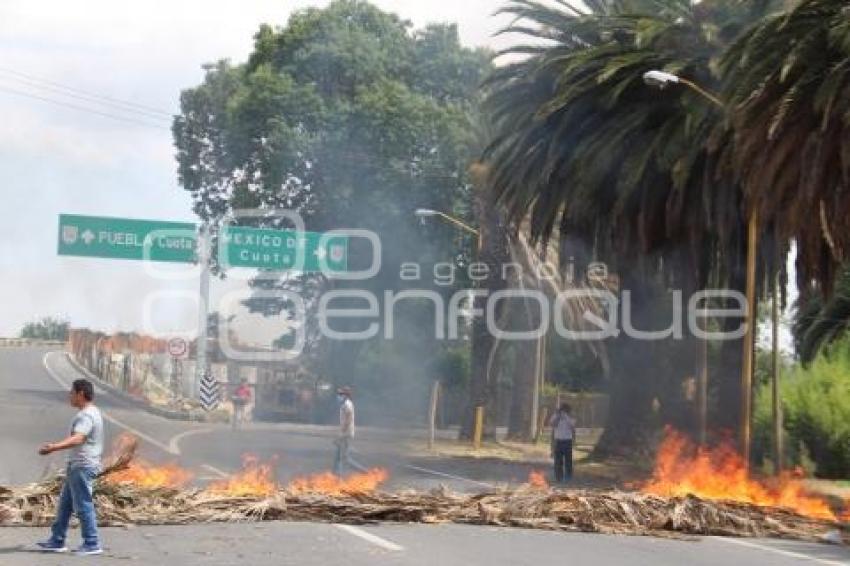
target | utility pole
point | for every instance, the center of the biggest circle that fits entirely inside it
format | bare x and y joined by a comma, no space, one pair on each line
702,388
203,306
539,376
777,405
747,354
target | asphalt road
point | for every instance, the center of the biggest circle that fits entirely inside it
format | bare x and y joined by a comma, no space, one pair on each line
33,393
33,409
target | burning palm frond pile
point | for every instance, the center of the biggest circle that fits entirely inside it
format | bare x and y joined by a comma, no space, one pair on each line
137,493
528,507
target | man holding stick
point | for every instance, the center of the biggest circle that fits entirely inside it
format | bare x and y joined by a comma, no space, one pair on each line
85,444
346,432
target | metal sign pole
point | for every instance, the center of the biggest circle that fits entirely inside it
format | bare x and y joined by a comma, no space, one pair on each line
203,307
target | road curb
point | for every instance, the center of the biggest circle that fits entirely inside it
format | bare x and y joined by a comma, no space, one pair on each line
135,401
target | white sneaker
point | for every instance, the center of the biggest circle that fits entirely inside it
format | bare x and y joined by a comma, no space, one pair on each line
86,550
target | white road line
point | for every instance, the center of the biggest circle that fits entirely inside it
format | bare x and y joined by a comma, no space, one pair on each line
215,471
787,553
450,476
369,537
107,416
174,443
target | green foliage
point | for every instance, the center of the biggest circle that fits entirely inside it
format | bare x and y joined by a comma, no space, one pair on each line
48,328
573,368
816,414
451,367
351,118
818,322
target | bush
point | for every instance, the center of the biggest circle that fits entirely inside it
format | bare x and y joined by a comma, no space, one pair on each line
816,415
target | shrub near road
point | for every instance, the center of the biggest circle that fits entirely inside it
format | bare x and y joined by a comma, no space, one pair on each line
816,406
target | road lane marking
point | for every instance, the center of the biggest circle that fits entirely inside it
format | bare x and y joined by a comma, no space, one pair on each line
449,476
369,537
215,471
174,443
107,416
787,553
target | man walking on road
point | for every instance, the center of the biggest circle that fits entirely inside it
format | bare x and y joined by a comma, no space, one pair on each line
563,433
85,444
346,432
241,398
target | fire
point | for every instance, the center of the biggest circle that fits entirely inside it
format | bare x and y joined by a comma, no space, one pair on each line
142,474
537,479
720,474
328,483
256,478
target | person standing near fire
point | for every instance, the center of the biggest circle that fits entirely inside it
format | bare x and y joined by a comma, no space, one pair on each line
85,446
563,433
241,398
346,432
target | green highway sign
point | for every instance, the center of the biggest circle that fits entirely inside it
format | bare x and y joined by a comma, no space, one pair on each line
239,246
281,250
125,238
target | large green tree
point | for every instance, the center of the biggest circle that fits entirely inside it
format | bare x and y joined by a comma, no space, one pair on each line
353,119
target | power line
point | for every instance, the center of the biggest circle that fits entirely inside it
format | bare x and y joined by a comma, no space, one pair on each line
81,108
24,77
85,98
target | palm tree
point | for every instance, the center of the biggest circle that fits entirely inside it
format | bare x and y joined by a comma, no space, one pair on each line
819,323
787,81
623,171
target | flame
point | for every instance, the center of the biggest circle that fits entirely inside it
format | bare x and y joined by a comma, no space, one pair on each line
537,479
328,483
256,478
142,474
721,474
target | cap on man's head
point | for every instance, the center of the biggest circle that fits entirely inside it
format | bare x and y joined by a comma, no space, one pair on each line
344,391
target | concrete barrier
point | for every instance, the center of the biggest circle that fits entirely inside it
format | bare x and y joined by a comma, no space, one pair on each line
29,343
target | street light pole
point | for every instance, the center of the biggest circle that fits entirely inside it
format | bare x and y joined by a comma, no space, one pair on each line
662,79
478,408
747,354
426,212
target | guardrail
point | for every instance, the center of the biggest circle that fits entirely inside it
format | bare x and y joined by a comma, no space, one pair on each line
27,342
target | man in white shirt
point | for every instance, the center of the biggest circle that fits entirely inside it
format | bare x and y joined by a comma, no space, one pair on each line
563,432
346,431
85,446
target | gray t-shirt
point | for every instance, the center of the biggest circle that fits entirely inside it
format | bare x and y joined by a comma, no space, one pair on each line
90,423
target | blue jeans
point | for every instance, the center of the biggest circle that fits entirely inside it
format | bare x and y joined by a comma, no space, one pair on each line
342,456
76,498
343,459
563,454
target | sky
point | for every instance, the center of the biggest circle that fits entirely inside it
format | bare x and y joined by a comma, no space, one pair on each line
56,159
